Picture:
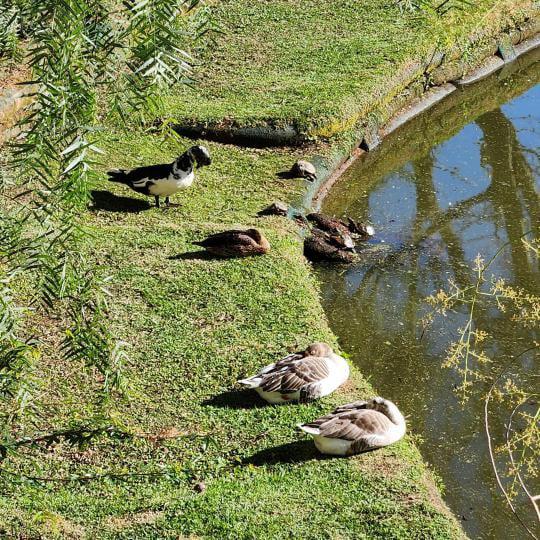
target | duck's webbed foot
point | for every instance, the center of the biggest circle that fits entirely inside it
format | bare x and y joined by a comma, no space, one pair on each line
169,204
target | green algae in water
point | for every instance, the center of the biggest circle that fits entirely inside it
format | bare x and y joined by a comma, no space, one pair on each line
460,180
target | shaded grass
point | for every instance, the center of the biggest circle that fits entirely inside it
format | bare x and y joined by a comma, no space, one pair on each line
194,326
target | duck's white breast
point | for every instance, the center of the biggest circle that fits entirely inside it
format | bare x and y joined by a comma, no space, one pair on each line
335,447
277,397
339,373
171,185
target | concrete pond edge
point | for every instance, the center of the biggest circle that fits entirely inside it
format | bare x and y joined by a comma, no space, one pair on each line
330,169
438,67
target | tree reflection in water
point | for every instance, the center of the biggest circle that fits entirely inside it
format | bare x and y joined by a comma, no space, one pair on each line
459,181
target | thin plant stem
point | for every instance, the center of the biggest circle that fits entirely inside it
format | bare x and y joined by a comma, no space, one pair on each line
490,445
532,498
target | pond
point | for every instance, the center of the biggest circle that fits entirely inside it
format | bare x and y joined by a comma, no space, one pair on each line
458,181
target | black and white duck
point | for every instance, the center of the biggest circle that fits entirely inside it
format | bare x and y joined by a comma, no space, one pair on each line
165,179
302,376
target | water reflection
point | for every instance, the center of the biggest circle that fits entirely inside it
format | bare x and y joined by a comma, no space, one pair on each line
459,181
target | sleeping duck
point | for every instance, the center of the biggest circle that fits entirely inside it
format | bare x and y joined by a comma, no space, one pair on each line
165,179
335,225
357,427
302,376
236,243
325,246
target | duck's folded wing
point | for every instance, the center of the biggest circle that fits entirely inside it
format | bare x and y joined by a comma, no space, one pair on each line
360,404
280,364
356,425
296,374
229,237
316,424
327,223
150,172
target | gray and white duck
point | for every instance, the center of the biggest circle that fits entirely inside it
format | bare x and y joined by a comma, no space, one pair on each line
303,376
357,427
165,179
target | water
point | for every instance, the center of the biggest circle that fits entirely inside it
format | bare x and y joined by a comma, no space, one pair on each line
458,181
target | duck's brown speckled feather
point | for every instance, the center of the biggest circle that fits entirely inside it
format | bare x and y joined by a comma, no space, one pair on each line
233,236
352,426
292,375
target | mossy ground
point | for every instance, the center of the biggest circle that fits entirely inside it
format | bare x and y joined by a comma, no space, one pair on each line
194,325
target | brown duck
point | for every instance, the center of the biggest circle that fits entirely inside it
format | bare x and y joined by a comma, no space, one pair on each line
236,243
324,246
335,225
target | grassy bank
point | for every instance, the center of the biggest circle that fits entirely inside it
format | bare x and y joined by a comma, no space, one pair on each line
194,325
322,66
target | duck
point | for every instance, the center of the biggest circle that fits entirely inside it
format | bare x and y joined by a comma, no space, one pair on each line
327,223
335,225
303,376
277,208
325,246
165,179
362,230
304,169
236,243
357,427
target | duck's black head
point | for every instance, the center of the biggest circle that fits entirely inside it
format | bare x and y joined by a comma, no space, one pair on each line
201,155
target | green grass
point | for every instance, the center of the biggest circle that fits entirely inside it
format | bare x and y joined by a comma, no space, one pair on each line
317,65
194,326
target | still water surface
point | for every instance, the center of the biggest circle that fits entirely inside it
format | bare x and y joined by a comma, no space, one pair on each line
459,181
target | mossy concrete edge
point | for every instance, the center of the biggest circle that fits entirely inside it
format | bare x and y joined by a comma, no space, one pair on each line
330,168
437,68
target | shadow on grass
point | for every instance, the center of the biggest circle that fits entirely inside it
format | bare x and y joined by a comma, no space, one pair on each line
194,256
294,452
109,202
286,175
204,256
237,399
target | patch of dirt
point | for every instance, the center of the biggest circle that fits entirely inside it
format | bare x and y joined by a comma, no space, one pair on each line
12,74
350,387
58,526
142,518
166,433
13,98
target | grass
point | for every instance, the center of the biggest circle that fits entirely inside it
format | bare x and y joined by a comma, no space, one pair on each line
320,66
194,326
